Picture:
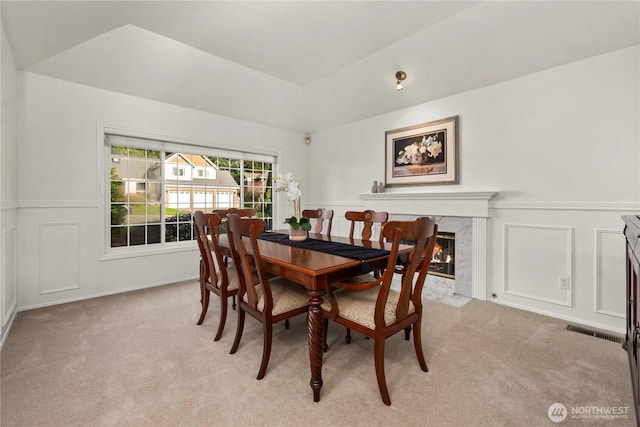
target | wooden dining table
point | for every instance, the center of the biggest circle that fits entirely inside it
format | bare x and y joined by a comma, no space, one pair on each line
314,270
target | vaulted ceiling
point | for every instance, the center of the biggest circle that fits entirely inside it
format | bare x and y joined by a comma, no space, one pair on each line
307,65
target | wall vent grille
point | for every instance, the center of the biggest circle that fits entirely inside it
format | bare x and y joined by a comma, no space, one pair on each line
597,334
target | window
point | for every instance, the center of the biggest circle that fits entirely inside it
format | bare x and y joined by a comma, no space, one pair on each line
155,189
177,171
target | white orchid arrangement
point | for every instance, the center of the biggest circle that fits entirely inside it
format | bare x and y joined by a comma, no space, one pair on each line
431,146
287,182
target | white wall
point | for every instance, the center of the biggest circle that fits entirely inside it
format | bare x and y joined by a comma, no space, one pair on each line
61,247
8,189
560,146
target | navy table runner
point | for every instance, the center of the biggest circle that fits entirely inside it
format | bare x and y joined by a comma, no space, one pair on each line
333,248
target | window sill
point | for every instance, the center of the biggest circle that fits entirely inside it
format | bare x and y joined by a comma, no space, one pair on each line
115,254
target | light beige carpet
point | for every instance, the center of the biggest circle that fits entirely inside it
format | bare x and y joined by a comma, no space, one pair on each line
138,359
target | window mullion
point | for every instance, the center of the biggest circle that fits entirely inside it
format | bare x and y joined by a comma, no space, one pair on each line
163,157
242,181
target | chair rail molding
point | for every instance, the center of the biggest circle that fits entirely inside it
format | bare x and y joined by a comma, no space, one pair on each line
630,207
9,204
57,204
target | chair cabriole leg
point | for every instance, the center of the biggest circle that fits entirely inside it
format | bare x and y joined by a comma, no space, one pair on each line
205,306
223,317
239,329
407,332
201,280
266,348
417,343
378,355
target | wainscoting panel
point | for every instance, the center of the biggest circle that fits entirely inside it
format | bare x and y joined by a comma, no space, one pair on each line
609,275
9,268
59,257
535,260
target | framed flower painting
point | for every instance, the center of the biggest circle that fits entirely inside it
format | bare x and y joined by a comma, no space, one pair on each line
423,154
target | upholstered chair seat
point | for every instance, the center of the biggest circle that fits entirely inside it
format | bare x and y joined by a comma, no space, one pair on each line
286,296
360,307
234,280
362,278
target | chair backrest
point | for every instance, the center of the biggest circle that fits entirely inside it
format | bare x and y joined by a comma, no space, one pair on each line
224,214
321,216
423,231
242,212
242,231
207,226
368,218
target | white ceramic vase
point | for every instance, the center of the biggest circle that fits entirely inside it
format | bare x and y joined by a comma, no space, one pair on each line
297,234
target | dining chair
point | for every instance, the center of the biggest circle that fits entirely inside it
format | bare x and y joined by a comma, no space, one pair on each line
243,212
376,310
214,275
267,300
321,216
224,214
367,220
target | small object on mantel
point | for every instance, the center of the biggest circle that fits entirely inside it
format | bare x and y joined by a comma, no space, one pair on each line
381,187
374,187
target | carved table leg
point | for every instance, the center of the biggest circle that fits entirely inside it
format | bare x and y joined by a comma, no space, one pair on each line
316,339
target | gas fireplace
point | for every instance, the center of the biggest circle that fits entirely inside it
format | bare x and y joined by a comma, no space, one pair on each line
464,213
443,257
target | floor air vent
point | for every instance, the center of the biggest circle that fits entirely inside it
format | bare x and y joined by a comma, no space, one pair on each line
602,335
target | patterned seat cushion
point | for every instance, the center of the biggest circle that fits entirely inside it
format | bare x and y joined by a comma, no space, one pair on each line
232,275
286,296
361,278
359,306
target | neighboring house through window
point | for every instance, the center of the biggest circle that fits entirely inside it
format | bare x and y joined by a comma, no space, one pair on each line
155,189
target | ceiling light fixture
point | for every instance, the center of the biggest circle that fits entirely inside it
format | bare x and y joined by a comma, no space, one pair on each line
400,76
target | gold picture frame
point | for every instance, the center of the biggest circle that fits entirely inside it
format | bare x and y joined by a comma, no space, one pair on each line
423,154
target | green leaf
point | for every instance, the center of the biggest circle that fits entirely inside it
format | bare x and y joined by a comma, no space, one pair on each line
305,224
293,222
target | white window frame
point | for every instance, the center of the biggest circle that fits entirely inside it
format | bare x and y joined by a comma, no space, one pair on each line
170,144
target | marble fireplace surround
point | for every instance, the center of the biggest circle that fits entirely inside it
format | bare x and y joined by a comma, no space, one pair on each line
469,205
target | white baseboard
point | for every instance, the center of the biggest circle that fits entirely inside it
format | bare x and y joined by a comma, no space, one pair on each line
571,319
7,330
103,294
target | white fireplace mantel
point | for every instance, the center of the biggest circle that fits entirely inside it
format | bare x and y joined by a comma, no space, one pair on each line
464,204
459,204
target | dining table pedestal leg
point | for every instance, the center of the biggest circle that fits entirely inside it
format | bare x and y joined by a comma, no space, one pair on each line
315,326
